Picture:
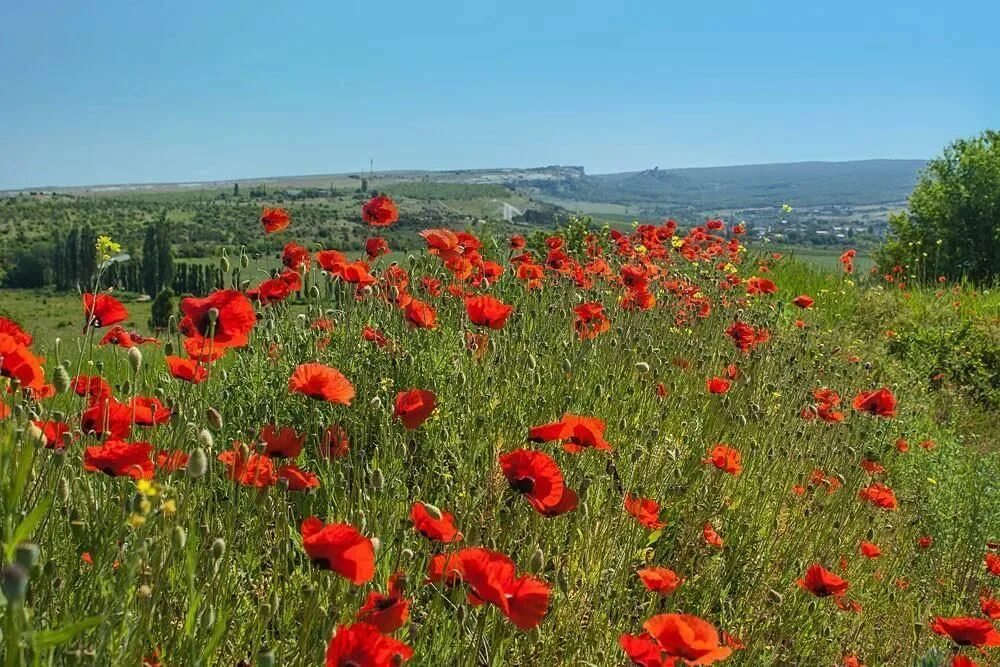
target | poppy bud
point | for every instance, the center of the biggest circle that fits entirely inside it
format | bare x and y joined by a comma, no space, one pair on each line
218,548
774,597
26,554
599,390
532,362
14,583
214,419
433,510
208,618
168,348
135,359
197,464
244,261
362,520
562,581
314,291
642,367
376,543
378,480
61,379
224,264
567,366
407,553
377,403
213,315
64,494
179,537
265,658
537,560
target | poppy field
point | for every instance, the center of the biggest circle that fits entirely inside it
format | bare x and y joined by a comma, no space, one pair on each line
661,447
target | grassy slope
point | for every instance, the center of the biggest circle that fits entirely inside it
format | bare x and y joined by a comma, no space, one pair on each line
263,592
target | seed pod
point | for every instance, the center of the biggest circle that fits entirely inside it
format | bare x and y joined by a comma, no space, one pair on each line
14,583
26,554
179,538
61,379
537,560
214,419
197,464
135,359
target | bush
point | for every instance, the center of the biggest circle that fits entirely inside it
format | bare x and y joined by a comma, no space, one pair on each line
951,228
162,309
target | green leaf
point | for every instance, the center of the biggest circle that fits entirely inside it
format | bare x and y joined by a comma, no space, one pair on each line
654,537
27,525
46,639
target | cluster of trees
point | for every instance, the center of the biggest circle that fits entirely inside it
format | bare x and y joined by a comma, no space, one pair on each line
952,225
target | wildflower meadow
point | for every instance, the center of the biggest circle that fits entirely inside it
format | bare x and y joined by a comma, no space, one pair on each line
660,446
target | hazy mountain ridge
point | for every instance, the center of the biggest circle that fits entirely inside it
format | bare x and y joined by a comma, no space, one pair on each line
857,183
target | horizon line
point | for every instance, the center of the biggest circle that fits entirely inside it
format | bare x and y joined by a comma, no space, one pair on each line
390,172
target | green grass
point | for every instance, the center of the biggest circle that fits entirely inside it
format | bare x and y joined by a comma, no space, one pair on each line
145,591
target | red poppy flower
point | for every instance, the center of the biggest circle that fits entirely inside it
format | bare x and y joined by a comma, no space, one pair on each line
148,411
274,219
188,370
420,315
414,406
803,301
118,459
963,661
660,580
339,547
852,661
281,443
4,411
171,461
821,582
492,577
537,477
576,432
106,417
375,336
380,211
870,550
487,311
296,478
872,467
321,383
880,402
966,631
233,315
250,469
645,510
990,607
717,385
712,538
14,330
925,542
433,523
204,350
880,495
334,443
294,256
102,310
18,363
690,638
993,564
362,645
53,432
120,337
725,458
376,247
757,285
386,611
517,242
644,651
590,320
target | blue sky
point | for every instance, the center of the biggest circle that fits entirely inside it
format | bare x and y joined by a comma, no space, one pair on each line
110,92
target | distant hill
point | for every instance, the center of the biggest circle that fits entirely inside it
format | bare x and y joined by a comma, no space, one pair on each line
856,183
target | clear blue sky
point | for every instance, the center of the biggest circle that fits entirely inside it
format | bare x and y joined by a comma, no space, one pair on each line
110,92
